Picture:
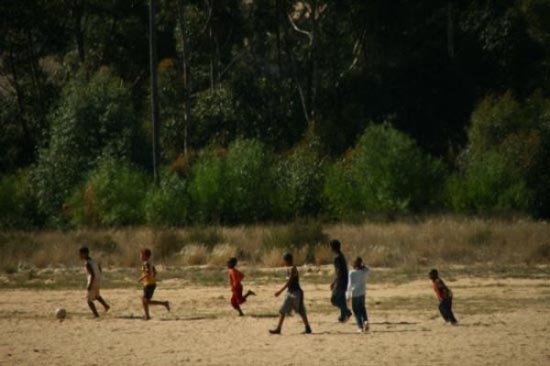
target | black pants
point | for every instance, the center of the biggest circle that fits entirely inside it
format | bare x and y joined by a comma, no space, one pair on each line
359,310
338,299
446,310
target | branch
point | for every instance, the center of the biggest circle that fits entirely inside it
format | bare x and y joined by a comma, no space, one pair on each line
295,27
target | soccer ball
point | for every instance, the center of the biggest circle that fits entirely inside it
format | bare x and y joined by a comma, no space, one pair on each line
60,313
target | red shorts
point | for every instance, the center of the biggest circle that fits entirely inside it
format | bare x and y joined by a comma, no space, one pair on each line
237,297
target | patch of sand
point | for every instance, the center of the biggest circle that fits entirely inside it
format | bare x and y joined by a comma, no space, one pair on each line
502,322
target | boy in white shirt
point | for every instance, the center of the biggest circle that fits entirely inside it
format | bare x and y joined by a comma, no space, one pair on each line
93,272
357,291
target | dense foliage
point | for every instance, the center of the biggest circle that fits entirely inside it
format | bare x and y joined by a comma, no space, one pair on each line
273,110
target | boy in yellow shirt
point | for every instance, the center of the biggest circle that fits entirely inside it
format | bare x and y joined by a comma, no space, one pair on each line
148,278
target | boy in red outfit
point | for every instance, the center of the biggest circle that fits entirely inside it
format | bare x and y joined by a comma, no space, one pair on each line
235,278
445,297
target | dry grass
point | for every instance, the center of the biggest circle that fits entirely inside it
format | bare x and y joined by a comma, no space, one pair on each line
194,255
220,254
433,242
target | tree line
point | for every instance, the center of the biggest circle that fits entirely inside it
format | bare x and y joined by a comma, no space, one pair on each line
272,110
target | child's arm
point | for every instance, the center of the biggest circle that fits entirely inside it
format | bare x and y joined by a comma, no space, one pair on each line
348,290
90,271
292,275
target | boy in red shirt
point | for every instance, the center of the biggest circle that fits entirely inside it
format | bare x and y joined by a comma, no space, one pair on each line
445,296
235,278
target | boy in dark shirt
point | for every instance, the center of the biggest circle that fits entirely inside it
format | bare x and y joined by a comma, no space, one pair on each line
445,296
294,299
340,284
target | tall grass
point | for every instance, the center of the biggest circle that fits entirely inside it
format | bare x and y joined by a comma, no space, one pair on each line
430,242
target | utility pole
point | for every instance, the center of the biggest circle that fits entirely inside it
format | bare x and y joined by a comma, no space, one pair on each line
154,87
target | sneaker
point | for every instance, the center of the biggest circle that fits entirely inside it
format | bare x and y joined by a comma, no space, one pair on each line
275,331
360,330
307,331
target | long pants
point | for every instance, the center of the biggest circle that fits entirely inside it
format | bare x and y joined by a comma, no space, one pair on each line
445,308
338,299
359,310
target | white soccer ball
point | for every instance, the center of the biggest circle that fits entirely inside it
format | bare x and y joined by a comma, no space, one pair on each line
60,313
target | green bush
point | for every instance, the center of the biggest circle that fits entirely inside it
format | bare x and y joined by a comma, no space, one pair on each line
247,182
168,204
207,186
113,195
95,117
386,173
506,161
16,202
489,184
298,181
340,192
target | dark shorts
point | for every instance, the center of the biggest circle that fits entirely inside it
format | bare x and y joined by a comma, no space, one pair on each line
148,291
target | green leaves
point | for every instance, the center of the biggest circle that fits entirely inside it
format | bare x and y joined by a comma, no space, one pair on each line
385,173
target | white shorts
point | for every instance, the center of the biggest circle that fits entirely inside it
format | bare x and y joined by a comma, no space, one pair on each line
93,292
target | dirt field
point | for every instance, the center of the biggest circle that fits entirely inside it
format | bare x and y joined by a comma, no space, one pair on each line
502,322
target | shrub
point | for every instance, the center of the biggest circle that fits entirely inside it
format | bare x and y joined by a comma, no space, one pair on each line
167,204
489,184
112,196
247,182
340,192
387,173
298,181
207,187
505,163
16,202
94,117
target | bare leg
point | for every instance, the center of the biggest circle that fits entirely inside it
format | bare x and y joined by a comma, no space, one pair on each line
166,304
279,326
306,323
145,303
92,307
102,302
238,308
249,293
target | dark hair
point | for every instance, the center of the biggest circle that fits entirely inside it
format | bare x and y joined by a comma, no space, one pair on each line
84,250
288,257
232,262
360,261
146,252
433,273
335,245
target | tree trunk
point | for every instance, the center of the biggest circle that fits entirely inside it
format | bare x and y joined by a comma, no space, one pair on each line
78,13
186,73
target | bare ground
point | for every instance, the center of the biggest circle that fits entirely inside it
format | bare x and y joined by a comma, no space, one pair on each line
503,321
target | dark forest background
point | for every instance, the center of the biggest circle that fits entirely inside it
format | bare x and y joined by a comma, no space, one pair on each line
273,110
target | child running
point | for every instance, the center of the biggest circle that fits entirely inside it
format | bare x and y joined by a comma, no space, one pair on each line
357,291
93,271
294,299
148,278
235,278
445,296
